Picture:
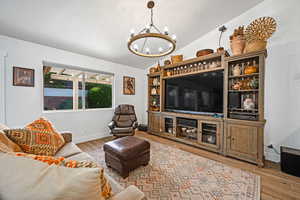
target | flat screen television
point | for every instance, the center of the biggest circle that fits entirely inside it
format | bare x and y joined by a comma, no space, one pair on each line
196,94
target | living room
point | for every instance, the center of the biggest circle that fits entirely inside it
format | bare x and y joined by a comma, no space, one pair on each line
56,58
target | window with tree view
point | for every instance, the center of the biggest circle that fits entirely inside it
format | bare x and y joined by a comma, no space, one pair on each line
69,89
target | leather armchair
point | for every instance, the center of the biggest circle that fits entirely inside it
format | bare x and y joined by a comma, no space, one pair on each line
124,121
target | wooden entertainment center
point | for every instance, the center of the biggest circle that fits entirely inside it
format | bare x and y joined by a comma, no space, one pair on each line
239,131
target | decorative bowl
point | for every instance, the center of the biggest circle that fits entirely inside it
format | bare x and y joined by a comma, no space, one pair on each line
204,52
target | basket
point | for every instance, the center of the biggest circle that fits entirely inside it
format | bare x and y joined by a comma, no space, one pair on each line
177,59
255,45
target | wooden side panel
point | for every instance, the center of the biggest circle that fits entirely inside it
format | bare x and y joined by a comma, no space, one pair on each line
154,122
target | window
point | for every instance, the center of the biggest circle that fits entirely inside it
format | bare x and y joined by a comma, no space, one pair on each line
70,89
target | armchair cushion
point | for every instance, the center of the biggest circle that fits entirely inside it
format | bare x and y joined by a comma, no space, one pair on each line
122,130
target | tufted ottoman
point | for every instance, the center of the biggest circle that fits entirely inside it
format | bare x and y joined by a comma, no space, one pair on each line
126,154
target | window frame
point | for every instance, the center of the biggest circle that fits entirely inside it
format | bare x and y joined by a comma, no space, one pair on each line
84,70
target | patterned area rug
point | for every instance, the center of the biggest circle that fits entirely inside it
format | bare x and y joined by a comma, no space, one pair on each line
173,174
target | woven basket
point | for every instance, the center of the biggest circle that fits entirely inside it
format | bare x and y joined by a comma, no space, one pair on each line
177,59
256,45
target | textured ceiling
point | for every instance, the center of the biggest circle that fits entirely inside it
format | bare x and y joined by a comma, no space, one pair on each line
100,28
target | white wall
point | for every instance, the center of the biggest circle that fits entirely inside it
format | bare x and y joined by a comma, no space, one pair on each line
24,104
282,89
2,88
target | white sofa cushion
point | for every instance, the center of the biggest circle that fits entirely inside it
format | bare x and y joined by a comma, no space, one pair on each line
69,149
81,157
3,127
25,179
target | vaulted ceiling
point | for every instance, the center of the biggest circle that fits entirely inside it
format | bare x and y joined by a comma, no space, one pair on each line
100,28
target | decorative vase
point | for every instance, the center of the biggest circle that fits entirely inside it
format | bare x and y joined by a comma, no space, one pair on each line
256,45
153,91
248,104
236,71
220,50
253,83
167,62
237,85
250,69
237,45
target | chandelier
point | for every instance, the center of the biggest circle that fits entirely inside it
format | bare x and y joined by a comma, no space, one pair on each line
150,41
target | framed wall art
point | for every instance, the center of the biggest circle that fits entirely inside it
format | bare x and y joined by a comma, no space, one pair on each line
23,77
128,85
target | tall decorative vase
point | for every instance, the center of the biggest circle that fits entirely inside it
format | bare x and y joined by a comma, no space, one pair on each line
237,45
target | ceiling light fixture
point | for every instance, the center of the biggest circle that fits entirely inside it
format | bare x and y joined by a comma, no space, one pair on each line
152,41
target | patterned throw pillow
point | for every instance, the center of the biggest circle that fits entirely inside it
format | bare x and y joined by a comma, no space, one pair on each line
36,142
106,190
48,134
6,145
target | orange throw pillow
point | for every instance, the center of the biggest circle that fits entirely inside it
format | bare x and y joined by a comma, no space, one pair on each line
54,139
39,138
6,145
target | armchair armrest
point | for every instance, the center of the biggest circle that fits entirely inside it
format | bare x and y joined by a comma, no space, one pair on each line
111,125
67,136
130,193
135,125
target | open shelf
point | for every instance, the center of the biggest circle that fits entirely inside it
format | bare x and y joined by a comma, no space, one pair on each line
251,90
244,75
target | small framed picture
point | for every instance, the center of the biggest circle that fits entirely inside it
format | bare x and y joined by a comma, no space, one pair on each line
128,85
23,77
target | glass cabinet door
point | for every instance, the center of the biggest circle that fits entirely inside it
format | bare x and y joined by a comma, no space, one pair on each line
208,133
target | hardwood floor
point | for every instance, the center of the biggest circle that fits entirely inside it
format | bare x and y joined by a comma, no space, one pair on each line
275,185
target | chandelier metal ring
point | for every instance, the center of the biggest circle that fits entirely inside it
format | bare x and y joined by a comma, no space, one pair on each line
151,32
152,35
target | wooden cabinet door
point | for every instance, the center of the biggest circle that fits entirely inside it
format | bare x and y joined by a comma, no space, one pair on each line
154,122
242,141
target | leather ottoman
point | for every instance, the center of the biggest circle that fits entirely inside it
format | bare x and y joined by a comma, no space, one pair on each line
126,154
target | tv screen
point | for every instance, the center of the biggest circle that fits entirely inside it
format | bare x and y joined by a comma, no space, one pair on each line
200,93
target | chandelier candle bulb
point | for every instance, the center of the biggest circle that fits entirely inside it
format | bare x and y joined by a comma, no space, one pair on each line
174,37
147,29
147,50
160,49
166,31
132,32
136,47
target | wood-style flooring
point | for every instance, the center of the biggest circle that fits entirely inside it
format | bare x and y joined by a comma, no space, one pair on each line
275,185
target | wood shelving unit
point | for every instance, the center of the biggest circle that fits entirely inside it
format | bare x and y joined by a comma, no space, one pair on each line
239,133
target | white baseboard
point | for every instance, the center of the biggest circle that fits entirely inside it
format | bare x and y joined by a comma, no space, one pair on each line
86,138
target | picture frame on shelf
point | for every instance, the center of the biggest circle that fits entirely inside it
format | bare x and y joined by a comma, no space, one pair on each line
128,85
23,77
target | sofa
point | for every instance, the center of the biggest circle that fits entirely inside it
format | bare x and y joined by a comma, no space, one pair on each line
70,151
